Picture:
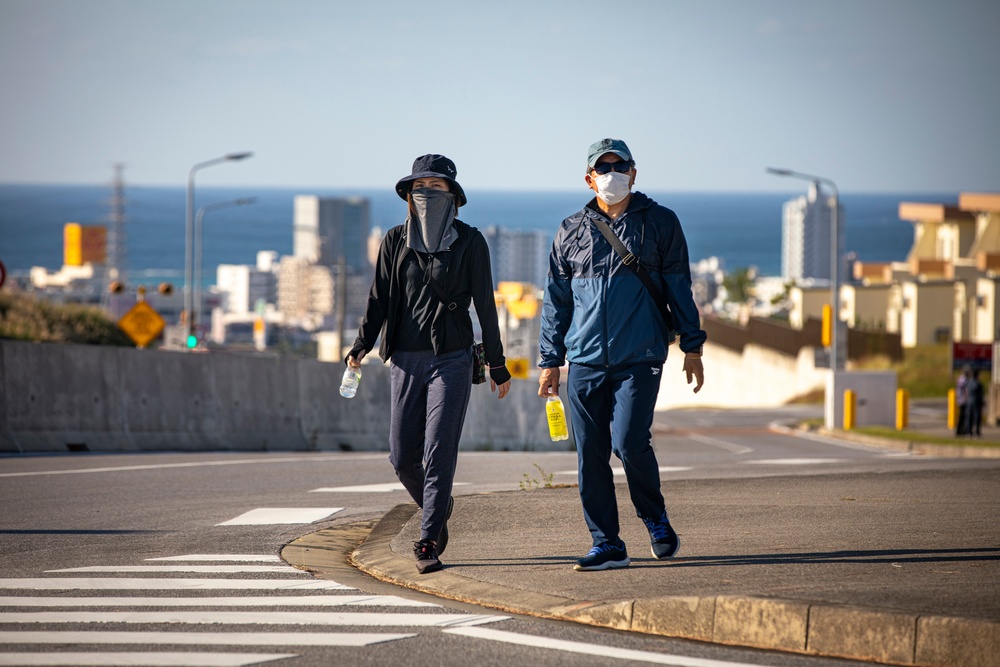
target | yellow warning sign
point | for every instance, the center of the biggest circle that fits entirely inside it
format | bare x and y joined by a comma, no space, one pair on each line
518,368
142,324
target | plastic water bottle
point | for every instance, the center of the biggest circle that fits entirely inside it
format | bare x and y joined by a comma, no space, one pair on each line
349,385
556,413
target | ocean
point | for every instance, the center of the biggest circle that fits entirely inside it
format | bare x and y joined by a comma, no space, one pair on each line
743,229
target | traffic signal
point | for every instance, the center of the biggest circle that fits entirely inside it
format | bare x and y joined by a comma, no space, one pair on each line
192,341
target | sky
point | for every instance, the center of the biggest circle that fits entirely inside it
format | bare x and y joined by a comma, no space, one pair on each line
875,95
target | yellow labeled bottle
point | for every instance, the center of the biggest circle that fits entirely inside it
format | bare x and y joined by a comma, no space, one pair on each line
557,418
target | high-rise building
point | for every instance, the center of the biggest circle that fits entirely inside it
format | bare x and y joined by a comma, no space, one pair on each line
327,228
518,255
246,285
304,288
806,236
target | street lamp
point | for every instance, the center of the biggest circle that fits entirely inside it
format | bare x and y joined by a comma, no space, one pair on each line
198,264
189,233
838,342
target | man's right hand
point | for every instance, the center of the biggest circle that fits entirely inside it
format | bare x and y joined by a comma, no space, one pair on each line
548,382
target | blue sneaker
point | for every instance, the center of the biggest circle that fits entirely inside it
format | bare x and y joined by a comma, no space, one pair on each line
604,556
662,538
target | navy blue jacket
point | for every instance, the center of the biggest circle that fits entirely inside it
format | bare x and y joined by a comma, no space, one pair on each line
597,312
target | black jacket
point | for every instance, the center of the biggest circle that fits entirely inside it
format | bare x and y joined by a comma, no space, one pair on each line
471,281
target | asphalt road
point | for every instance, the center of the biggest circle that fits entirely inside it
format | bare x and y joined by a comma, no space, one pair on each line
193,540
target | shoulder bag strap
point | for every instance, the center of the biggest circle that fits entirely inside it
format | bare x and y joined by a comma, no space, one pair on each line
453,267
631,261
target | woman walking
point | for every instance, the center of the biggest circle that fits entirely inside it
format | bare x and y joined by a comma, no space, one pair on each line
429,271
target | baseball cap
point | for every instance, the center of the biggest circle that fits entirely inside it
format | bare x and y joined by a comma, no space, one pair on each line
599,148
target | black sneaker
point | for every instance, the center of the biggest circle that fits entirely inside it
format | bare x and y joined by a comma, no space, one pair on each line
443,536
604,556
664,542
427,556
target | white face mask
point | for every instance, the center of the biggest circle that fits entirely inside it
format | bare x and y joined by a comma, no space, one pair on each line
612,187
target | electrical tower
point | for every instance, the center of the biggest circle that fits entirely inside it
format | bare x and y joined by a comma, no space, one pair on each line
116,276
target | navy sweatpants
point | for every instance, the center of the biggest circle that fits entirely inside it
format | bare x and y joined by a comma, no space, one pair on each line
612,412
430,396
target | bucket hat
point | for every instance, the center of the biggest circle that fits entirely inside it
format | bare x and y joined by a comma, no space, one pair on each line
432,166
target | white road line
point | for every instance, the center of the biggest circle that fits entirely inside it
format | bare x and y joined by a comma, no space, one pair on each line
193,569
111,583
589,649
620,472
255,601
267,516
791,462
252,618
171,659
201,638
263,558
364,488
715,442
370,488
199,464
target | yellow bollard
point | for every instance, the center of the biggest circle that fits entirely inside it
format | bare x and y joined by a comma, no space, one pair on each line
902,409
952,410
850,400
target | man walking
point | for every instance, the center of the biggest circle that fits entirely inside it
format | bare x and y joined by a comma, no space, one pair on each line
619,286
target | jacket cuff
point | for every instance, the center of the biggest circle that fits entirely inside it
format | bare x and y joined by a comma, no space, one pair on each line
500,374
354,352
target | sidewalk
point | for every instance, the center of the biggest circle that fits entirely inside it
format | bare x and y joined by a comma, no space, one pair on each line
901,568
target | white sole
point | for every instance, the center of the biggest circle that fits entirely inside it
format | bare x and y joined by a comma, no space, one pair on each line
668,555
610,565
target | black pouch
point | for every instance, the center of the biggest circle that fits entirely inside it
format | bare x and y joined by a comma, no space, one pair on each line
478,363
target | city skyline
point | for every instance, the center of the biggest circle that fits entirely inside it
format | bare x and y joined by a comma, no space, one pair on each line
896,95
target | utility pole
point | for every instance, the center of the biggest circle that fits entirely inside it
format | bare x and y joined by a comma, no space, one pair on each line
341,303
116,246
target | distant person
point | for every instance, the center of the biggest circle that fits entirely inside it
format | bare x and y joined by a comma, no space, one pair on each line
974,406
431,258
602,318
962,399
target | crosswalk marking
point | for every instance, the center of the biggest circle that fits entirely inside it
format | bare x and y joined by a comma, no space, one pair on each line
267,516
590,649
299,603
193,569
370,488
262,558
358,619
201,638
258,601
111,583
171,659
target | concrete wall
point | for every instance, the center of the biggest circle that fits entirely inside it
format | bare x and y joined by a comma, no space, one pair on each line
757,377
55,398
875,394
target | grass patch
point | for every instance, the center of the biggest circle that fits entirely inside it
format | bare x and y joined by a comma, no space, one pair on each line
916,436
25,317
925,370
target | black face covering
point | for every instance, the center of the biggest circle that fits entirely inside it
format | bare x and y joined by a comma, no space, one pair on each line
433,229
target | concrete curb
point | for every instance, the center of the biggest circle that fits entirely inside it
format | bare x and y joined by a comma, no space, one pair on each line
868,634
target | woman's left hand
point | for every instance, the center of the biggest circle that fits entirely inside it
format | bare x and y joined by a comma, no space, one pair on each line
504,388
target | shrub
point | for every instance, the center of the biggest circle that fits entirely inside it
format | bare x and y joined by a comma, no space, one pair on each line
25,317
